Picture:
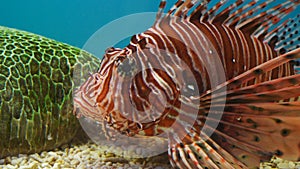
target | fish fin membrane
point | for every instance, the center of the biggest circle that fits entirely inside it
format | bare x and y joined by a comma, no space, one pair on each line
255,73
257,121
246,135
203,152
262,127
282,89
258,130
286,38
259,18
238,126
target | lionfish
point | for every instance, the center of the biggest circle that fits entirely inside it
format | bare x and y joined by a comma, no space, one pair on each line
219,78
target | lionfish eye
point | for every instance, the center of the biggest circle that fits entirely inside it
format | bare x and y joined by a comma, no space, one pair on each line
126,67
119,59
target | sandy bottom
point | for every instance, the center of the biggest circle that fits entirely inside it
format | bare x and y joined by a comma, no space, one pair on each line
90,155
83,153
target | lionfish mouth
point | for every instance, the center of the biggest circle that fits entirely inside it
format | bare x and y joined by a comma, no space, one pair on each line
86,107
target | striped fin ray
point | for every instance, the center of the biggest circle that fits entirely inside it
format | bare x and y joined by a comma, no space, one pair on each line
215,15
270,91
251,15
275,16
251,112
160,11
245,131
221,150
250,139
181,7
251,129
257,12
202,153
240,13
266,96
274,87
242,138
245,16
264,109
256,71
286,38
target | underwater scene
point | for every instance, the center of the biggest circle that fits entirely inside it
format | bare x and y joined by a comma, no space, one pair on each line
159,84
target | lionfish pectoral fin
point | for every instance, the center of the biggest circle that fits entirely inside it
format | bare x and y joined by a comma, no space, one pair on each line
202,152
252,133
258,120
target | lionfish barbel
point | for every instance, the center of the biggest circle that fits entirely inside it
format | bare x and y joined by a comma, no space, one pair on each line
233,121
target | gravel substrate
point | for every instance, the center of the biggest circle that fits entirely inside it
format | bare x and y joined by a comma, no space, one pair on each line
82,156
82,153
280,163
90,155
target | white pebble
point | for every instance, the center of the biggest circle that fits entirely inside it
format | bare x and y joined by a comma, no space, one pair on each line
16,161
44,165
9,166
2,161
74,162
292,165
51,153
283,165
268,167
22,155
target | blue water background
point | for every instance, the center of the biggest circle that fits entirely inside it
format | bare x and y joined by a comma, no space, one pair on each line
73,21
70,21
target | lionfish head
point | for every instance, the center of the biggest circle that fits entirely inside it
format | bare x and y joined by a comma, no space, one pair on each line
100,96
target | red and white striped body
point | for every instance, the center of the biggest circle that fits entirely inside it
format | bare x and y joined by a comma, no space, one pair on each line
170,77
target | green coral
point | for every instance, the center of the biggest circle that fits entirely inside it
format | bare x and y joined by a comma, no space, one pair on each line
37,78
